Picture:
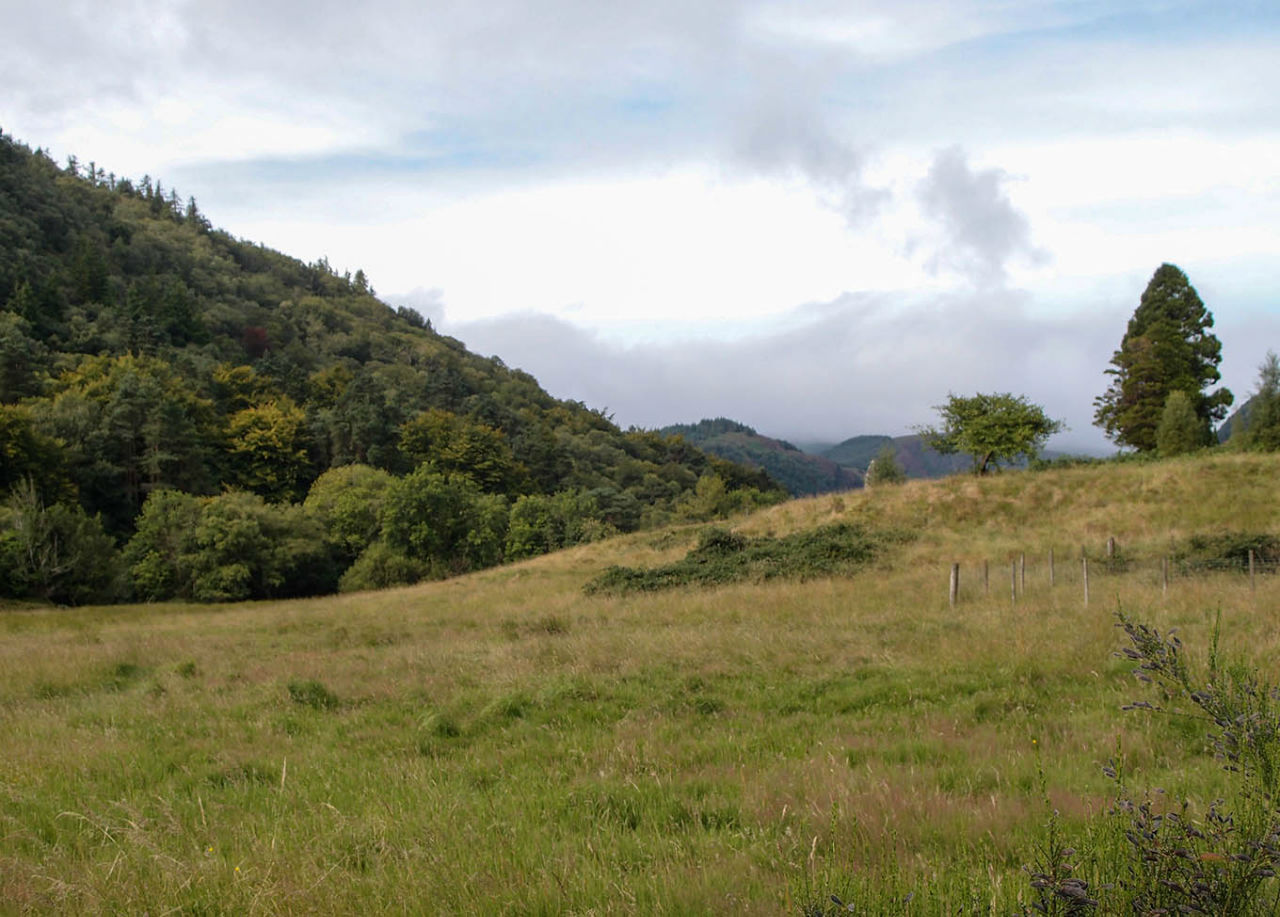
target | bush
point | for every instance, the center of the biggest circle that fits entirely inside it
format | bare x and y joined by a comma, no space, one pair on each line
57,553
1221,859
381,567
226,548
722,557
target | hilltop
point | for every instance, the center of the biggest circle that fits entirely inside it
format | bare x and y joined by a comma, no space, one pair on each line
505,742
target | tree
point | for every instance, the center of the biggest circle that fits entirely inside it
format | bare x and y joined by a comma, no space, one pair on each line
55,552
1180,430
267,448
1262,411
992,428
884,468
1167,347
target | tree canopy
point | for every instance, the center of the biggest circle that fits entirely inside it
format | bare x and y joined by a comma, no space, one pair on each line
993,429
1167,347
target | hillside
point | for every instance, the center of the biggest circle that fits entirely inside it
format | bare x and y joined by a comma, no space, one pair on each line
505,743
801,474
142,351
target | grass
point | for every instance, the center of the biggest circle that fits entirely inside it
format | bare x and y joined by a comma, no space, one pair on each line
505,743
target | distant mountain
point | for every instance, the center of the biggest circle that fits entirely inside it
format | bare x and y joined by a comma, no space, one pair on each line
916,458
1237,422
800,473
856,452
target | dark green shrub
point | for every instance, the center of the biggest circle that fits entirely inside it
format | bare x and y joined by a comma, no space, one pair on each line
722,557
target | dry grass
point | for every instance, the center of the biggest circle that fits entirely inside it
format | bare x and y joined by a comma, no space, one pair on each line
502,742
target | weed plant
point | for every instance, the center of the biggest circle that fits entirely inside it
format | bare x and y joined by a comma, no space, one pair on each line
1158,858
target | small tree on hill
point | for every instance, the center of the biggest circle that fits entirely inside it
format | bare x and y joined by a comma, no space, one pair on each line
992,428
1180,430
884,468
1167,347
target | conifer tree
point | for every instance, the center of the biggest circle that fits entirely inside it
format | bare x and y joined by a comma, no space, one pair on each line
1167,347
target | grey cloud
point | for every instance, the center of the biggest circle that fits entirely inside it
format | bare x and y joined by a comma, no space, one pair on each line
788,137
862,363
981,230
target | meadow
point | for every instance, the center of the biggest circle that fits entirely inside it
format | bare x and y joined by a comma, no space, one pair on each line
506,743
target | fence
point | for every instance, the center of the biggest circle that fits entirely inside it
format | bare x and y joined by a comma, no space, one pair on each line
1081,570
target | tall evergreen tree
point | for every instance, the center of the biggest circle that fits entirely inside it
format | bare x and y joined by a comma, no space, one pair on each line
1167,347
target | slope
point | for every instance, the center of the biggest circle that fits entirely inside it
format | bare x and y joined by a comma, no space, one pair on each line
503,742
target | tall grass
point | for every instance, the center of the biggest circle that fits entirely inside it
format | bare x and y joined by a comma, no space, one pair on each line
505,743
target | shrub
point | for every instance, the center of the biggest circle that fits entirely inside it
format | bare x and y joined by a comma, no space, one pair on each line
381,567
722,557
1156,860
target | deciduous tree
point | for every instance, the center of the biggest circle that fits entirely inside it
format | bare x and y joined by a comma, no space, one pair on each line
992,428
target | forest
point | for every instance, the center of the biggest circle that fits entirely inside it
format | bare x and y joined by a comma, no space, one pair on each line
188,415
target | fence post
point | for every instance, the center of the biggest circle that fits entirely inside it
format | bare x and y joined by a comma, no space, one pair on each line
1111,549
1084,561
1252,585
955,584
1164,575
1022,572
1051,568
1013,581
986,579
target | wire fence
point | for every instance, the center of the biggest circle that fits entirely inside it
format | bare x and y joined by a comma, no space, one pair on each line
1085,570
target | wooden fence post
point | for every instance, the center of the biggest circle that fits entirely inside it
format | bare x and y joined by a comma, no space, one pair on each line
1111,549
1252,584
955,584
1022,572
1164,575
986,579
1084,561
1013,581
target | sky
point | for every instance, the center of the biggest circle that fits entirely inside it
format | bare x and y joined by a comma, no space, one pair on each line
818,218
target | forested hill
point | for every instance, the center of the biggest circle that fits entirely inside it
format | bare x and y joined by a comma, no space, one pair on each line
144,352
800,473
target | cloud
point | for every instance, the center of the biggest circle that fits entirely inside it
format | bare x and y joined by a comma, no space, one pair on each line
862,363
981,231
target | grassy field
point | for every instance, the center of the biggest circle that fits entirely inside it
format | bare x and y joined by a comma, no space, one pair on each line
504,743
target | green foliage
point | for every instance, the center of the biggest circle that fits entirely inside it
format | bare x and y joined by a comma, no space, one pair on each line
226,548
1225,551
1180,430
24,360
541,524
1221,859
55,552
312,693
1167,347
884,468
381,566
267,449
132,424
453,444
347,502
444,520
723,557
26,454
992,428
1261,414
